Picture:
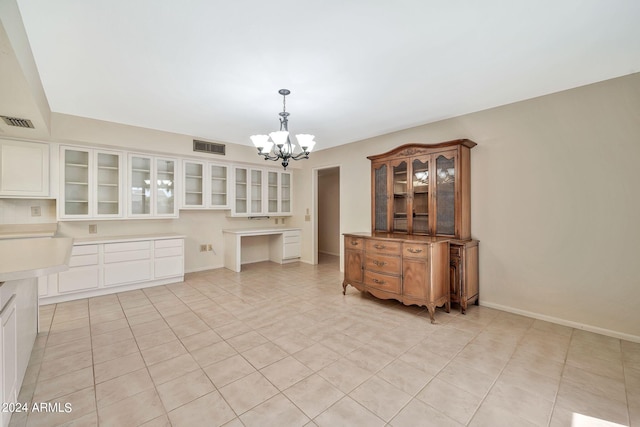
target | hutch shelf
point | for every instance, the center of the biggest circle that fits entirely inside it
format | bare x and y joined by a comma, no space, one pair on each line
420,250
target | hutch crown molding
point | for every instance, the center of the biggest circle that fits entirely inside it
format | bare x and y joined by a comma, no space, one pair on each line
420,249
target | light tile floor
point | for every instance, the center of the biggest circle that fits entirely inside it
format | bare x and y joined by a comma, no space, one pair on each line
281,346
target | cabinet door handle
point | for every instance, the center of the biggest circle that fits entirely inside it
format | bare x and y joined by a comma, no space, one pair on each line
354,242
379,246
414,251
379,282
379,263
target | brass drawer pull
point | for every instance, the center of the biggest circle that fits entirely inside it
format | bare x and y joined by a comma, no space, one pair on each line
379,282
377,246
414,251
354,242
379,263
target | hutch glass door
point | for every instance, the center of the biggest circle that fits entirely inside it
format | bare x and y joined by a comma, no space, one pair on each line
445,194
381,198
400,197
420,179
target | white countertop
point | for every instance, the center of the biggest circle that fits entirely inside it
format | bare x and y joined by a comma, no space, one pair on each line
126,238
23,231
258,231
26,258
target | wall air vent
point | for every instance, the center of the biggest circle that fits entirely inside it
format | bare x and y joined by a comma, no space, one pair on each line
18,122
208,147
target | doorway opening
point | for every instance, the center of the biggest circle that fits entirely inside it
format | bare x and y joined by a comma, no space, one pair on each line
328,215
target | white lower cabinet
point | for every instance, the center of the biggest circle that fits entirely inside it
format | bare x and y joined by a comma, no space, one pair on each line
109,266
169,258
291,244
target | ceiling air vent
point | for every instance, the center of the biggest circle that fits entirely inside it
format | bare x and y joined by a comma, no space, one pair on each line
18,122
208,147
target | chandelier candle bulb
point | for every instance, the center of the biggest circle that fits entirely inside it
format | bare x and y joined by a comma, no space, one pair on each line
280,146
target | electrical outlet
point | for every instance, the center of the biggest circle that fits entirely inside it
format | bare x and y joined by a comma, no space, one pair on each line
209,247
203,248
307,218
93,228
35,211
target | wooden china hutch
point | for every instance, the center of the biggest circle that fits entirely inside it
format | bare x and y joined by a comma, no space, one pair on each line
420,249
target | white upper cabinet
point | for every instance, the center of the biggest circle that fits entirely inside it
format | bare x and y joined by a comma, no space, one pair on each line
152,187
261,192
205,185
91,183
24,169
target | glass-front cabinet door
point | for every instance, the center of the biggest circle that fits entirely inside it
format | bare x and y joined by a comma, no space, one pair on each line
445,197
165,203
108,176
219,186
241,191
76,180
285,192
272,192
256,191
401,199
140,185
193,195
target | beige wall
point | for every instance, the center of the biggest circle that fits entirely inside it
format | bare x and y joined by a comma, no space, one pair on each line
555,201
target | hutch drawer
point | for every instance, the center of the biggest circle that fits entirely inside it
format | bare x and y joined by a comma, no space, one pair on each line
383,264
414,250
382,282
383,247
354,243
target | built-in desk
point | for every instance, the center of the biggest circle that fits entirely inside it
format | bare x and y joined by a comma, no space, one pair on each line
284,245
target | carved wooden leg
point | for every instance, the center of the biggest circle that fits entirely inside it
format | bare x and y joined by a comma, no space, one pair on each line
432,312
344,287
447,306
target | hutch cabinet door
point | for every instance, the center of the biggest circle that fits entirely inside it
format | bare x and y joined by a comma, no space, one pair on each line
445,193
420,195
380,202
401,197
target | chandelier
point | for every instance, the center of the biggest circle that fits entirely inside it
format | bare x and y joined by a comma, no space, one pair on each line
280,146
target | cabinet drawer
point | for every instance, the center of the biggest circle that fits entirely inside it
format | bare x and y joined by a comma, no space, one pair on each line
84,250
81,260
291,237
383,247
353,243
168,252
126,246
382,282
383,264
112,257
415,250
168,243
291,250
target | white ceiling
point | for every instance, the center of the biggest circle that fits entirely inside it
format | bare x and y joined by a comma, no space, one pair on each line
356,68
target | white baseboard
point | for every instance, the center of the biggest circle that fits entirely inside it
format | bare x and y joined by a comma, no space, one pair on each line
329,253
199,269
563,322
